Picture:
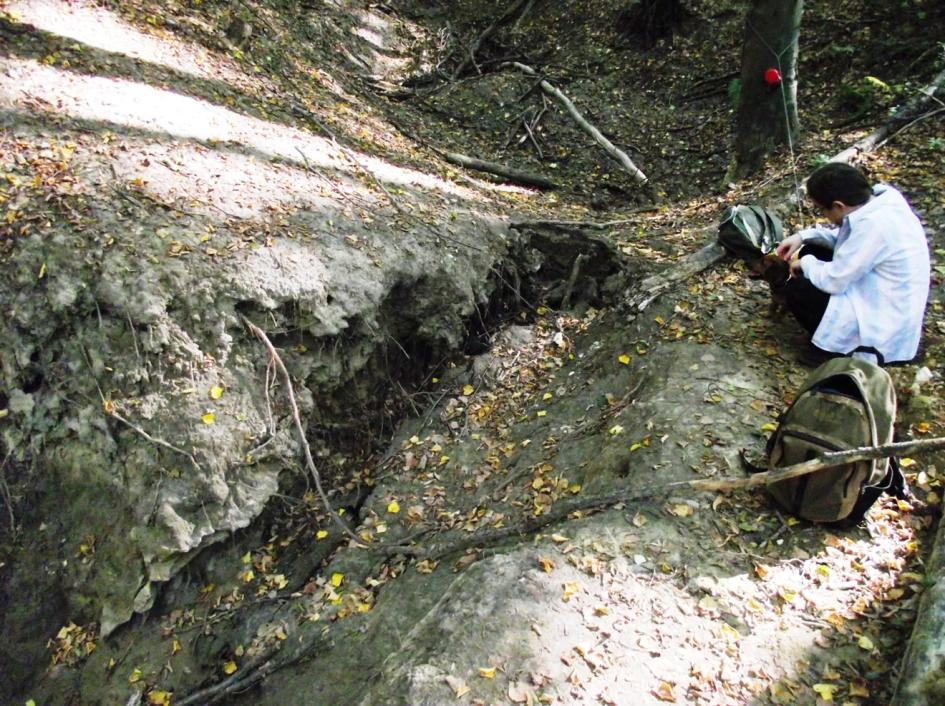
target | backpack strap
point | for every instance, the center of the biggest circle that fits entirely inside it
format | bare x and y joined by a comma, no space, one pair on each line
893,483
880,360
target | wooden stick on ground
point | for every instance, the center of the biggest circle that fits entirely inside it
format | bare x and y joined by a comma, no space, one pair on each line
606,144
309,461
828,460
517,175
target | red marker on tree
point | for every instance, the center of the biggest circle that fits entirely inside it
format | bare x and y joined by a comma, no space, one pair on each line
772,78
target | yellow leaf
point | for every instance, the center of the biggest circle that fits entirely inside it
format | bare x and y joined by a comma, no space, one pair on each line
681,510
575,488
624,358
708,603
616,429
894,594
922,427
175,647
906,462
541,413
730,633
547,565
634,447
135,676
639,520
770,426
665,690
247,558
468,390
547,396
393,507
858,688
209,418
787,595
558,538
159,698
229,667
823,570
248,575
865,643
337,579
825,691
321,534
659,320
42,271
216,392
487,672
570,589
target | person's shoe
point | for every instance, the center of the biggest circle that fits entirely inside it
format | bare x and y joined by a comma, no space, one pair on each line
813,357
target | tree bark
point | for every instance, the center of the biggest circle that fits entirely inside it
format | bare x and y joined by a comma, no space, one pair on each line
767,116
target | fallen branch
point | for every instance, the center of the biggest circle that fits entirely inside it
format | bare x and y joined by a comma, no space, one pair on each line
828,460
309,461
712,252
572,280
517,175
606,144
904,117
7,496
562,510
153,439
489,31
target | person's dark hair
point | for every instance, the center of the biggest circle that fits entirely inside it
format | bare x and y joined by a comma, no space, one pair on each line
836,181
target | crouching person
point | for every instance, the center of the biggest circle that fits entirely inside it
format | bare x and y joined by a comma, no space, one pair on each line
861,286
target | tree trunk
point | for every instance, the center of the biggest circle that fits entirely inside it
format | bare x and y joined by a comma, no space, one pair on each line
767,115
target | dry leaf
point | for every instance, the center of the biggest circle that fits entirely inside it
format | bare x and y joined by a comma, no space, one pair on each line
457,685
825,691
664,692
570,589
519,693
487,672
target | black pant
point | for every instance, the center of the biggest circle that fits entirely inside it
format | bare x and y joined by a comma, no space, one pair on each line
804,300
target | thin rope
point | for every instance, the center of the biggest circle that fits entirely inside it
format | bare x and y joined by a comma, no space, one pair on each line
787,119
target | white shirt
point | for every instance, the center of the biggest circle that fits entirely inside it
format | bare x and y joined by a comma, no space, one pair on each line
878,280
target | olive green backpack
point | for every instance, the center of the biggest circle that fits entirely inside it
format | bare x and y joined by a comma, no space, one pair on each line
845,403
749,232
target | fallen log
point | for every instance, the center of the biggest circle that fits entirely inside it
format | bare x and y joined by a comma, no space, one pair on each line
599,138
517,175
827,460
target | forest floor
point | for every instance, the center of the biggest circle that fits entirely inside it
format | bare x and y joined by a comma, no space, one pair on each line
687,599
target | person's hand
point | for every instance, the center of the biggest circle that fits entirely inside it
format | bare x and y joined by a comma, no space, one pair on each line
787,247
796,270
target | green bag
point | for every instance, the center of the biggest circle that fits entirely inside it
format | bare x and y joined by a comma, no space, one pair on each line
845,403
749,232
